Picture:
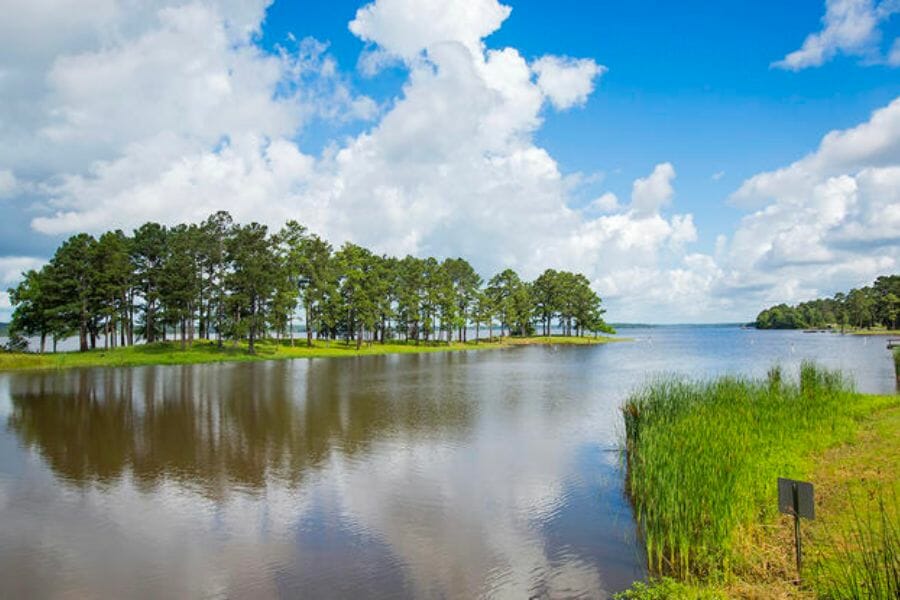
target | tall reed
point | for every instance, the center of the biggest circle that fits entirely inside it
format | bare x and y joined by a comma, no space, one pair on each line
703,457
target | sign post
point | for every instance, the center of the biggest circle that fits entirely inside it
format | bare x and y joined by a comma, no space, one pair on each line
796,498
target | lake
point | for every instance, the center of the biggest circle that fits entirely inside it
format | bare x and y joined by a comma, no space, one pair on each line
468,474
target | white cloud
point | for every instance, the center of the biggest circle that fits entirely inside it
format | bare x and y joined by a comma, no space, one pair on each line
651,193
565,81
608,202
407,27
8,183
827,222
850,27
11,268
893,58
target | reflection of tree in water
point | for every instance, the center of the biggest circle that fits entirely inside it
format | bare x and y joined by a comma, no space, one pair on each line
214,427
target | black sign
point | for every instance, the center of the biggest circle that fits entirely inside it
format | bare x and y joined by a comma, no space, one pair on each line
796,498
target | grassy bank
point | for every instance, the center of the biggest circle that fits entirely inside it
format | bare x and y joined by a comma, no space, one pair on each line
703,461
170,353
874,331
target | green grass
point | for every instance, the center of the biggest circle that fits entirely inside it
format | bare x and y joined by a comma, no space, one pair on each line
855,542
703,460
202,351
873,331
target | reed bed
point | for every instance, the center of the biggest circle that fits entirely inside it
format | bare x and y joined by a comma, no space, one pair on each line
703,458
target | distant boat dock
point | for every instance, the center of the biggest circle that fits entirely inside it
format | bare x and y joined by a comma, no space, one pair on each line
893,343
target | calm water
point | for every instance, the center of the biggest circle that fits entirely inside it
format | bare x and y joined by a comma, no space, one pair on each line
442,475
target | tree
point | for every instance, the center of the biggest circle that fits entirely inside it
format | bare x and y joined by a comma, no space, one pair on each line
214,234
179,283
465,282
32,314
72,285
148,251
358,289
318,281
289,243
251,282
112,268
512,300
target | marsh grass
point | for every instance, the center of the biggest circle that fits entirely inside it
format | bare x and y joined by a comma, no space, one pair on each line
703,459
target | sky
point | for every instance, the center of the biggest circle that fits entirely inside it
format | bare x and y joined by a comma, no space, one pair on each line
697,161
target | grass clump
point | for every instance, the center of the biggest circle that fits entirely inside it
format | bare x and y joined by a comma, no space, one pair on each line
703,459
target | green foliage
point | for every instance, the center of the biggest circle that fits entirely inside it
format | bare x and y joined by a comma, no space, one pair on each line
569,298
223,280
667,588
703,458
862,308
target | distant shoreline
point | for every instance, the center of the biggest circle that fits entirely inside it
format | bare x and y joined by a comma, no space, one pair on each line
206,352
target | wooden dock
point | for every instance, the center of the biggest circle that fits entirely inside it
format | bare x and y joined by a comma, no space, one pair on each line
893,343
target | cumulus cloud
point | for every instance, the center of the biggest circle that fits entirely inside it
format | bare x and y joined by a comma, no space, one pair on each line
405,28
607,202
827,222
651,193
849,27
565,81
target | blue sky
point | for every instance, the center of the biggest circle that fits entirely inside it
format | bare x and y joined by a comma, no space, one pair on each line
688,82
501,136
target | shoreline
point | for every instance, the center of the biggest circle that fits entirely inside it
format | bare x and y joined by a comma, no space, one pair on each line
206,352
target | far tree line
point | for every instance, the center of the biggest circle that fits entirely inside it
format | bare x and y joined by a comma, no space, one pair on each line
220,280
866,307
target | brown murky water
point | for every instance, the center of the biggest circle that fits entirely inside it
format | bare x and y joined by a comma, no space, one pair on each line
442,475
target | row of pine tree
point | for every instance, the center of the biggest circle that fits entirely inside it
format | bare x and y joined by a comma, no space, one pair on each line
225,281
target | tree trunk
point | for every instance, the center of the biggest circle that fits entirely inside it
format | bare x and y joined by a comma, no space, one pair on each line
251,347
82,330
308,328
131,318
43,341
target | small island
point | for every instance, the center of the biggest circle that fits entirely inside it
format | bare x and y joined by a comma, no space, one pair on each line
219,291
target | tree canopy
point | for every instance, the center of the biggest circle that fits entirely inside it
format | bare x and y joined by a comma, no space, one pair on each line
878,304
225,281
